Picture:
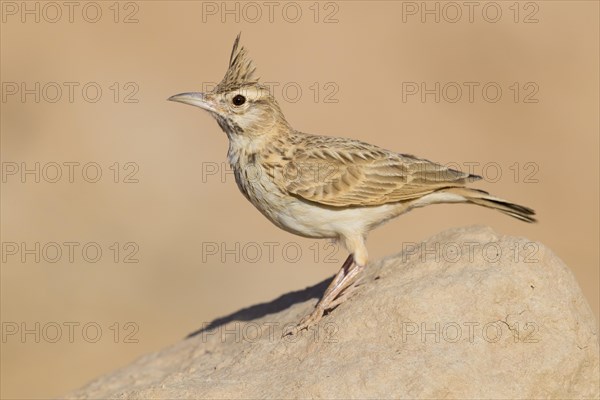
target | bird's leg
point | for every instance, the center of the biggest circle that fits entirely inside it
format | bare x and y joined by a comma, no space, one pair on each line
345,293
339,276
342,291
345,277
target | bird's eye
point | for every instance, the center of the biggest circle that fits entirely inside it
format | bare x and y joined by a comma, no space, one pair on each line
238,100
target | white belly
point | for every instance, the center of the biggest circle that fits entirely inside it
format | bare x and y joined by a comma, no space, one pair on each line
327,222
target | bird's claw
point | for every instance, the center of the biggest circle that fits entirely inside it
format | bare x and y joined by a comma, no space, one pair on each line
306,322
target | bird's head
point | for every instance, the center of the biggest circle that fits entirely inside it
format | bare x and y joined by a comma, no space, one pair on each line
240,104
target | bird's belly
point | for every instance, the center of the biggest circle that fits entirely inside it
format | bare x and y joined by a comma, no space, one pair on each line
314,221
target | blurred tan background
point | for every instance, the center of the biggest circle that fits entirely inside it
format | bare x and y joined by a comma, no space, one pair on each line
354,63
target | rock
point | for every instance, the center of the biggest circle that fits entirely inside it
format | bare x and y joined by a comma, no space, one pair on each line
467,314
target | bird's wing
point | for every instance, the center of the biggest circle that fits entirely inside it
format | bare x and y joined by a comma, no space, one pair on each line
341,173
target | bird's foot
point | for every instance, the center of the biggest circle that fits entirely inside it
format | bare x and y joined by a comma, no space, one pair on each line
313,318
338,291
305,323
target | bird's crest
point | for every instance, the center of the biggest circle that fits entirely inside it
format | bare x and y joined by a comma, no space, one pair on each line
241,70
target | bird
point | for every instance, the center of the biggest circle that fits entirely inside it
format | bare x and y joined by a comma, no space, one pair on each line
324,187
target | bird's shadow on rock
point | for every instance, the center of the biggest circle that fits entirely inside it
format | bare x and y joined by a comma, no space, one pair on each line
260,310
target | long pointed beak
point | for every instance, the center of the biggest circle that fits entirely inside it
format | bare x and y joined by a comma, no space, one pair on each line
194,99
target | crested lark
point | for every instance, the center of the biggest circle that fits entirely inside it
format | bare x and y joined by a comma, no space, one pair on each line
321,186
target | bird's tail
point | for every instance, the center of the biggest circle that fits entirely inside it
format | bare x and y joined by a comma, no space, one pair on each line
483,198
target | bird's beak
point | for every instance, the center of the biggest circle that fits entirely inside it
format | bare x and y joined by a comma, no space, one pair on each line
194,99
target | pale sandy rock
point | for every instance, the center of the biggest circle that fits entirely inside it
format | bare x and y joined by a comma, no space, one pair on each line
448,318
